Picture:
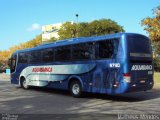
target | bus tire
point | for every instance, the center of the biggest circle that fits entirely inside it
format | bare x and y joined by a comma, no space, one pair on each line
76,89
23,83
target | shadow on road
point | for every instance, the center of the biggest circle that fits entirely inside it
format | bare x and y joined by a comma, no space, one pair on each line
127,97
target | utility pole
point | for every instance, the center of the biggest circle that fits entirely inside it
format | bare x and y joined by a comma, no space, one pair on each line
77,26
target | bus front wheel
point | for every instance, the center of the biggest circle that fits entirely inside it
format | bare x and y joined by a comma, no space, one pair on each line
76,89
24,83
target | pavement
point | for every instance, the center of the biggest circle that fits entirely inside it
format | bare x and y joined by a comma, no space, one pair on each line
50,103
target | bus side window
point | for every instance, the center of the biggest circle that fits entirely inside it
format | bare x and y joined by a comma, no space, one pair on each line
63,53
22,58
34,57
83,51
116,45
106,49
91,50
78,52
48,55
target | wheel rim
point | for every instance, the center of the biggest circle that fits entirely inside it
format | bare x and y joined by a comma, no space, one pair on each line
76,89
25,84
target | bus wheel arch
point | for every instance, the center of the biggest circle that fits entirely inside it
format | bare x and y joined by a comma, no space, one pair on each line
75,87
23,83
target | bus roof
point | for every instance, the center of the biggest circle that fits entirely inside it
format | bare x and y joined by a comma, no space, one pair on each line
75,41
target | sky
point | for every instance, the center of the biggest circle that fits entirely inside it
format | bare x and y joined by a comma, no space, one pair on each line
21,20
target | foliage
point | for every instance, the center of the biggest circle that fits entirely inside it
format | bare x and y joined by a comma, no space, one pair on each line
53,39
85,29
152,27
104,26
156,62
3,59
5,55
68,30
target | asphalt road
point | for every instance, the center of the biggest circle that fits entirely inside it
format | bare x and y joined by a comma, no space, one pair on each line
15,100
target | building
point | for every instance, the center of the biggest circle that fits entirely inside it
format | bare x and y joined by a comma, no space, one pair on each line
50,31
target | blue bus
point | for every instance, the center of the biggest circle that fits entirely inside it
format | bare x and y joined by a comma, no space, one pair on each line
108,64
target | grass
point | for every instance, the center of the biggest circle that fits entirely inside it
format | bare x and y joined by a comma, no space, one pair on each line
157,80
157,77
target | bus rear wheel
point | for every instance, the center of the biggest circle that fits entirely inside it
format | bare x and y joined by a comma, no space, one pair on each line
76,89
24,83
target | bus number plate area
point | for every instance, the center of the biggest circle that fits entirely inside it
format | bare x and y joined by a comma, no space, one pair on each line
142,81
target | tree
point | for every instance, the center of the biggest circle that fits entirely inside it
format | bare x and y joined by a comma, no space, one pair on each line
68,30
104,26
5,55
4,59
85,29
152,27
53,39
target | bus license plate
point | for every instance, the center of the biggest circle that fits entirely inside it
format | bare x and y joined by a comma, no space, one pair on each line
142,81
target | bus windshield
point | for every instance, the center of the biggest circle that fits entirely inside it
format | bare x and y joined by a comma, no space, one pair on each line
13,62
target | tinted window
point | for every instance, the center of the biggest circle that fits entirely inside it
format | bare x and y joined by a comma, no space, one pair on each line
83,51
138,44
63,53
23,58
48,55
13,62
107,48
34,57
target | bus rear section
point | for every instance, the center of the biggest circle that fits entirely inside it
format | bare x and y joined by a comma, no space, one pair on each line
140,63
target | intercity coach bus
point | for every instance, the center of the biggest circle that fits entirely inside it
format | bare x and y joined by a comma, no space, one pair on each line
109,64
